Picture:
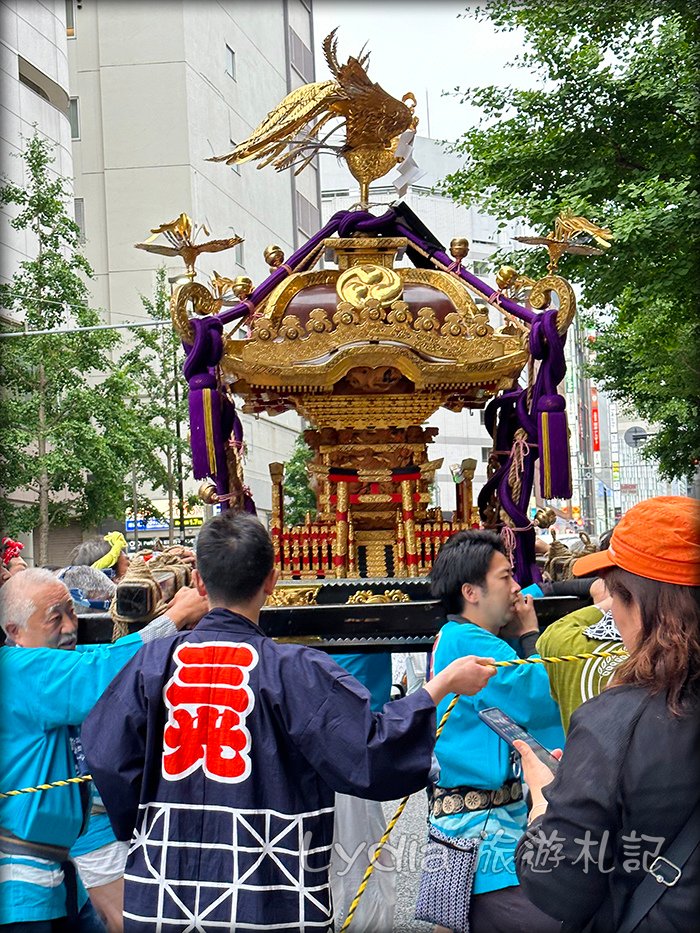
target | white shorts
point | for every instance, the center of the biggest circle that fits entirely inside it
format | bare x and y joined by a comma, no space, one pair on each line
102,866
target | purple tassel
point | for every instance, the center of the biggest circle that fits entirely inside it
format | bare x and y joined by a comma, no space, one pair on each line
205,426
555,461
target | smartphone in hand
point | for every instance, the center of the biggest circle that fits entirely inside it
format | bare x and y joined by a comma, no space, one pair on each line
510,731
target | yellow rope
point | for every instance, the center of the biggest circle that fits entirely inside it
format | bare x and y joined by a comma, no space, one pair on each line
387,832
40,787
402,806
615,653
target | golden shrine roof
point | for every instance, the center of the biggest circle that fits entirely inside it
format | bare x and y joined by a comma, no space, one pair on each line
370,329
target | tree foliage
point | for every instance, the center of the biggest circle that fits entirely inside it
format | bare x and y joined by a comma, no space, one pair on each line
299,497
611,133
152,366
69,434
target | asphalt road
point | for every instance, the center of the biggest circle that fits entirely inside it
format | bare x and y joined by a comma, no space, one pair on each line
406,848
406,845
408,838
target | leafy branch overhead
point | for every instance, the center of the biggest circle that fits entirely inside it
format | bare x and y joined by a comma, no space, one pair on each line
610,133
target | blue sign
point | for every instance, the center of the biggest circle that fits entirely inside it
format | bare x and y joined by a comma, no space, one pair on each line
152,524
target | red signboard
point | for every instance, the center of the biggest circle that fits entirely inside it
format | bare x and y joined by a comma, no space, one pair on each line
595,419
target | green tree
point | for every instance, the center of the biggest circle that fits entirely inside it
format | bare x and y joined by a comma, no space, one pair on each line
65,432
611,133
153,366
299,498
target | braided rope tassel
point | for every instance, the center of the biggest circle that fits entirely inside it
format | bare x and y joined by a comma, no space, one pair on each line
402,806
40,787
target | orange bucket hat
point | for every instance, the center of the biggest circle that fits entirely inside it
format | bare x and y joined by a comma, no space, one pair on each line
658,539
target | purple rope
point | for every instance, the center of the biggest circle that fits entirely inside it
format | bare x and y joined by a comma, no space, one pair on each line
547,345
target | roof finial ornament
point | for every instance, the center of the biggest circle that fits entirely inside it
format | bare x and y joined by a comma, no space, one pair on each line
372,119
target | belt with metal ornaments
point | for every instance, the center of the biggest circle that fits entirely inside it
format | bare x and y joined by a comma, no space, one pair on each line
448,801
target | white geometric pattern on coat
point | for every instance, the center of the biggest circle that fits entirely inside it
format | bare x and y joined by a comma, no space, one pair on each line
245,844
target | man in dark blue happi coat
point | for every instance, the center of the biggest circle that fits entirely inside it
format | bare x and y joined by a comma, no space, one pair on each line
218,753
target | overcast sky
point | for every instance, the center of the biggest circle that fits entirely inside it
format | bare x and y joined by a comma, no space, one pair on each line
426,48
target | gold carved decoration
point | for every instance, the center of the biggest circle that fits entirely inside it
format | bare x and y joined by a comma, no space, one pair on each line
358,250
373,121
382,412
360,284
541,297
513,283
224,287
293,596
567,227
182,233
460,350
455,291
388,596
571,234
203,302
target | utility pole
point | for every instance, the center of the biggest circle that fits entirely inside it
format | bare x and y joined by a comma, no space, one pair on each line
135,506
178,450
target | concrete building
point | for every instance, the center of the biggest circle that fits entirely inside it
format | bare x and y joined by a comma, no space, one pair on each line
156,90
460,434
639,476
33,94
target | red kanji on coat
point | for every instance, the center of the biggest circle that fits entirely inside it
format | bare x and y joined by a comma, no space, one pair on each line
208,700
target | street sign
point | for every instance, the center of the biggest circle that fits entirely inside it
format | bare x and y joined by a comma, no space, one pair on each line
588,475
635,437
595,419
152,524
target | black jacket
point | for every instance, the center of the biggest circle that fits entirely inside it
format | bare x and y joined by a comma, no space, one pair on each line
628,781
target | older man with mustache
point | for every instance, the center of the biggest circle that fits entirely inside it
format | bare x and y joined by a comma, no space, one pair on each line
45,695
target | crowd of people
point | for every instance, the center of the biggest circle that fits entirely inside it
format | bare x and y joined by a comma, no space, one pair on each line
227,768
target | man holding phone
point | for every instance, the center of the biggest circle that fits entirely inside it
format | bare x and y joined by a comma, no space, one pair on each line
479,796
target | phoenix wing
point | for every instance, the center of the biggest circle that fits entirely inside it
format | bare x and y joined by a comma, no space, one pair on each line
309,103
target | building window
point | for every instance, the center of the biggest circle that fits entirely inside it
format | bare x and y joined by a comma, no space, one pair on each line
74,117
300,56
79,211
230,62
308,220
70,19
239,254
485,454
235,166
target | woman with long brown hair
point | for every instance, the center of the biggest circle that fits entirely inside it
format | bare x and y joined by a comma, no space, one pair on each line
613,842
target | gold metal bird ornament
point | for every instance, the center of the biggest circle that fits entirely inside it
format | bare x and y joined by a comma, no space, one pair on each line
373,121
571,234
182,234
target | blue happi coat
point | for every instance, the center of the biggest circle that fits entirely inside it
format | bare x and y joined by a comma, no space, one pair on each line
43,693
218,752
